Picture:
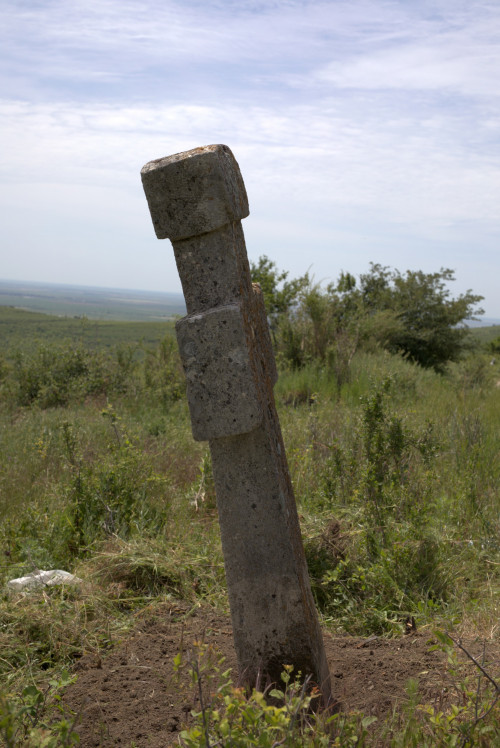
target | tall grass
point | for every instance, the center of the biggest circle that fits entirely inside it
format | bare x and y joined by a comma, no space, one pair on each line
406,461
396,476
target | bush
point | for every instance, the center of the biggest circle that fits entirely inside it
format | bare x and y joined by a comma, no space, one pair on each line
283,715
412,314
163,375
54,375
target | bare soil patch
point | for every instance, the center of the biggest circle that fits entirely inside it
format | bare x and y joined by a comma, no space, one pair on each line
131,697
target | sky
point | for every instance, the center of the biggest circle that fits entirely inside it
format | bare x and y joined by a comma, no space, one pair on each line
365,130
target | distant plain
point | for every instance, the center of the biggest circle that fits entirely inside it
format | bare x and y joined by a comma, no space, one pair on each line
92,303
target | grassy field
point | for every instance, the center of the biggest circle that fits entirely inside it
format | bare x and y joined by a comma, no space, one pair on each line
22,330
100,476
93,303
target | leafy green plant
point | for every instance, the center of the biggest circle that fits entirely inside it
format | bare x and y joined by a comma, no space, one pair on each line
111,498
476,718
280,295
285,715
411,314
395,473
52,375
469,718
205,492
32,718
163,376
494,345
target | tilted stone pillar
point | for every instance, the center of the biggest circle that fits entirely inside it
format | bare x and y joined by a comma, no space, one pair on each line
197,199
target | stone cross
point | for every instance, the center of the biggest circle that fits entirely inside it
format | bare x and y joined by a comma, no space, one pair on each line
197,199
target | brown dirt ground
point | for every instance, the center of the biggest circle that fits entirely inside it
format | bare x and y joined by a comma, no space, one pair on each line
131,698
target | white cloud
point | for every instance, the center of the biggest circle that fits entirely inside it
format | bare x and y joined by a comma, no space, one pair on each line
407,171
369,125
449,63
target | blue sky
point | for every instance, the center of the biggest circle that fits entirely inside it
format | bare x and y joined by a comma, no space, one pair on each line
365,131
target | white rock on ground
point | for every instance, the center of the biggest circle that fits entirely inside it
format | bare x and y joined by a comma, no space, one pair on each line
42,578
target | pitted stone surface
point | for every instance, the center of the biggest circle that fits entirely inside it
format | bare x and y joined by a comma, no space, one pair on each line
197,199
210,267
272,609
194,192
221,393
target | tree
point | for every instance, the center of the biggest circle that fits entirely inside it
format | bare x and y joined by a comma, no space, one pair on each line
411,313
429,327
279,294
280,297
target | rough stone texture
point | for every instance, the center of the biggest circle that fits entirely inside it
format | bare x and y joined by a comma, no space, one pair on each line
197,199
221,392
194,192
272,610
211,267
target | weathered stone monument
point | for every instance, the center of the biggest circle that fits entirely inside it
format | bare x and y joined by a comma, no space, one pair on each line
197,199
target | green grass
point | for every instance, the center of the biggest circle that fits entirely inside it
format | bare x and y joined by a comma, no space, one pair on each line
396,476
485,334
22,330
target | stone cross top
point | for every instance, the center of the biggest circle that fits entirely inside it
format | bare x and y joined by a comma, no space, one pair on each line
197,199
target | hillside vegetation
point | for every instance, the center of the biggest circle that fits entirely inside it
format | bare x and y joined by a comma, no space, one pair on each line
393,448
93,303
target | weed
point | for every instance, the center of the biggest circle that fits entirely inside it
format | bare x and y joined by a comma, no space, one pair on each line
32,718
280,716
469,716
395,470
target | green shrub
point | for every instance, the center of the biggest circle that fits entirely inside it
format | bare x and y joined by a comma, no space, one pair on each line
30,718
163,375
286,715
54,375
